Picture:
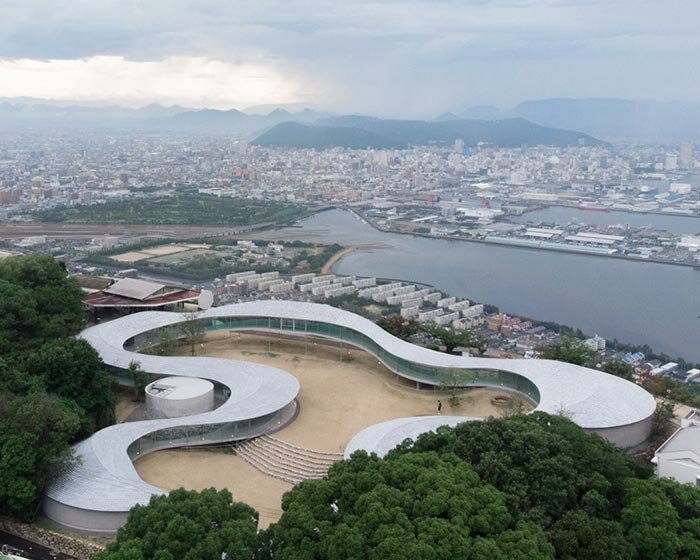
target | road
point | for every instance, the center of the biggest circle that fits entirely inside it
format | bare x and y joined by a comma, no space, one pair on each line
30,549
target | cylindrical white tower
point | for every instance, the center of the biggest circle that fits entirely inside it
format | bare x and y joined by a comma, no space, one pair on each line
173,397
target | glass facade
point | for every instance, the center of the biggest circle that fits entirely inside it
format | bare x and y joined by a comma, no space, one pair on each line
205,434
431,375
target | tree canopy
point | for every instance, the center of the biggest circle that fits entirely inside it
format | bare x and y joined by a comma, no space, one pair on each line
452,339
568,349
54,389
187,525
399,326
618,368
532,487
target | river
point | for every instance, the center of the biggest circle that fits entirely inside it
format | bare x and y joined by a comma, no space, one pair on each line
634,302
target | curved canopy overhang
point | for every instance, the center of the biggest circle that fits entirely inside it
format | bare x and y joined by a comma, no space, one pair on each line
103,477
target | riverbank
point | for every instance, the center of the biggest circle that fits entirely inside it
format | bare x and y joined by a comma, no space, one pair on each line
505,241
626,210
336,257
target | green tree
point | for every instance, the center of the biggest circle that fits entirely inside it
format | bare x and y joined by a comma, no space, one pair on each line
545,465
684,500
71,368
403,507
55,296
192,330
138,377
580,536
19,320
187,525
167,342
53,389
452,339
618,368
34,435
400,327
662,422
568,349
452,380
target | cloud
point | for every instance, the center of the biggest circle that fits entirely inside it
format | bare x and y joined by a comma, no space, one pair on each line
185,80
390,56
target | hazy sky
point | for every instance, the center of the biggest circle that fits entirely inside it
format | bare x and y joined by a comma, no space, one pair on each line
390,57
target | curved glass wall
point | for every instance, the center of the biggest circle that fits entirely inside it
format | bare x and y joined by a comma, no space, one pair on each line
423,373
206,434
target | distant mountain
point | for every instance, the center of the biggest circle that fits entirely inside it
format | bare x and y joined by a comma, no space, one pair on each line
269,108
232,121
617,118
359,131
295,135
35,113
485,112
38,111
446,117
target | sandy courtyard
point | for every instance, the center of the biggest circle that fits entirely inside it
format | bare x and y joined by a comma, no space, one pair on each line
342,392
200,469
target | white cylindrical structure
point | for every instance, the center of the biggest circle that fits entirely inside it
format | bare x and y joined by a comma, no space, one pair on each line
173,397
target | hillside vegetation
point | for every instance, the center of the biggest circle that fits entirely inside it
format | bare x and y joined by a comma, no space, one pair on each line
54,389
179,209
533,487
366,132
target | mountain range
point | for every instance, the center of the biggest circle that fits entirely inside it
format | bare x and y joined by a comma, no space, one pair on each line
611,119
368,132
608,119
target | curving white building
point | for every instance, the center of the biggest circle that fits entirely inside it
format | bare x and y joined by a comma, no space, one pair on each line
383,437
95,492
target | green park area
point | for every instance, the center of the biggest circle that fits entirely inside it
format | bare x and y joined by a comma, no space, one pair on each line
179,209
206,259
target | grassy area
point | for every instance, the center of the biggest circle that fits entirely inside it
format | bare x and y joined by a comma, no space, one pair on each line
187,256
181,209
220,259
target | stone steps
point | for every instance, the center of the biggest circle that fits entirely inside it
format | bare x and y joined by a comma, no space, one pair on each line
286,461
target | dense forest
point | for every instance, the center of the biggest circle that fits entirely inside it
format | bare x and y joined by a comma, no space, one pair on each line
179,209
521,488
54,389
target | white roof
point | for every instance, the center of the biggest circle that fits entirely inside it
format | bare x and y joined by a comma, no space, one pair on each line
591,398
105,480
383,437
134,288
686,438
179,388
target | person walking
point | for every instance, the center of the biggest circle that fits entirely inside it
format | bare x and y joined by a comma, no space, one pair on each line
439,407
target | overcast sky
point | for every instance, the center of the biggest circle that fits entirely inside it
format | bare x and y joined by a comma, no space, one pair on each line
387,57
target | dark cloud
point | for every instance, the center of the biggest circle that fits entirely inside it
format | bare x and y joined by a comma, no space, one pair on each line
408,56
